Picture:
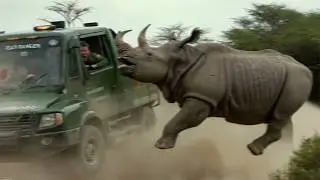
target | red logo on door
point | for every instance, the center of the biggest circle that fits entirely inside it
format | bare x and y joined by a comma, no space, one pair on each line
3,74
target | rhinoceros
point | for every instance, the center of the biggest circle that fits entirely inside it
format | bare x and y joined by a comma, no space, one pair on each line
215,80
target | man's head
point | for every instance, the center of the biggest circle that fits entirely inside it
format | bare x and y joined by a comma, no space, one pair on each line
84,49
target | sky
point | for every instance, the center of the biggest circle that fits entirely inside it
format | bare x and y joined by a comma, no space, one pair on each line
217,15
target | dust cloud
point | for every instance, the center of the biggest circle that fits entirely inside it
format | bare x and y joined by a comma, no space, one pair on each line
216,150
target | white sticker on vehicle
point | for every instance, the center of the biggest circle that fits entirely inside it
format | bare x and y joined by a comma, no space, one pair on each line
22,46
53,42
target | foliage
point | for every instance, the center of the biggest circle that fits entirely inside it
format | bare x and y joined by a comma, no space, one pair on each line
175,31
281,28
69,10
304,164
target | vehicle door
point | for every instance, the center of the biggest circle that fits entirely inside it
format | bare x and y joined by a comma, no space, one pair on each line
124,84
133,93
100,89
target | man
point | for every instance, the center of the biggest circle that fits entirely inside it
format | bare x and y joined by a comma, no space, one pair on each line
91,60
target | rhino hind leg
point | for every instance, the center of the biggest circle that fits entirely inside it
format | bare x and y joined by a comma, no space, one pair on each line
193,112
294,94
272,134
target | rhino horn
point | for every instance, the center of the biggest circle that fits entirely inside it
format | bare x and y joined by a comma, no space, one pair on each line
142,41
193,38
120,34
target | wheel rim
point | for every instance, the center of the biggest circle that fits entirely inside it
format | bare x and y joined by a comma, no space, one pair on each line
91,151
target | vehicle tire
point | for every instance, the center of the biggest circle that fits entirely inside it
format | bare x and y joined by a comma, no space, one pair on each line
90,155
74,163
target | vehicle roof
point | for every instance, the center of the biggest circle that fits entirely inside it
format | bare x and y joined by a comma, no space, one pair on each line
57,32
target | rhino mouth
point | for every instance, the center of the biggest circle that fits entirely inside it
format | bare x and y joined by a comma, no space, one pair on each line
126,67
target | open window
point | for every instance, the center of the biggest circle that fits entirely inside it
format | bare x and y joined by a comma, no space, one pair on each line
97,49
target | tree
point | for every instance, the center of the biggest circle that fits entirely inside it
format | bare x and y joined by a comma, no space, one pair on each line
175,31
304,164
69,10
278,27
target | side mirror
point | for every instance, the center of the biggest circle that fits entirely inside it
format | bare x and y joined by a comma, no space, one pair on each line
73,46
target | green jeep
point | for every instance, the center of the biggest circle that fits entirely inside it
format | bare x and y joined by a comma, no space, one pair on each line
50,102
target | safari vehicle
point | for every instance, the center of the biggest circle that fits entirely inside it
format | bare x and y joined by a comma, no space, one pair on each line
50,102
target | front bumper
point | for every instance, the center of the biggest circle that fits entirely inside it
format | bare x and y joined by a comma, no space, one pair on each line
37,146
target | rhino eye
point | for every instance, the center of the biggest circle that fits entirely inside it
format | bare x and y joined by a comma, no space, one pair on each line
149,53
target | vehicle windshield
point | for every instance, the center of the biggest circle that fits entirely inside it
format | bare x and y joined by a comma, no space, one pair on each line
36,58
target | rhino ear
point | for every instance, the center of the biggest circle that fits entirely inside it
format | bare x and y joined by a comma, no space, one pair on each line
172,37
193,38
120,34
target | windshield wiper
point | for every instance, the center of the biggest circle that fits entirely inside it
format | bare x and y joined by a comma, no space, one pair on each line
55,88
31,82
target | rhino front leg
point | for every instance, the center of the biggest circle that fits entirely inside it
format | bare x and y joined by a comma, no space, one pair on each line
193,112
272,134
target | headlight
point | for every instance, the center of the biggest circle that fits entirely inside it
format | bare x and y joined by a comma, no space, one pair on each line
50,120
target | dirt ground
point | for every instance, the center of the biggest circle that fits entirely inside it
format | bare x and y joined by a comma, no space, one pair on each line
216,150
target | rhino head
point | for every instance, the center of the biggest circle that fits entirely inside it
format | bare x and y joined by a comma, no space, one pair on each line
151,64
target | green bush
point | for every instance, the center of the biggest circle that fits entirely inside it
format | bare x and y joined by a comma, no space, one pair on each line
304,164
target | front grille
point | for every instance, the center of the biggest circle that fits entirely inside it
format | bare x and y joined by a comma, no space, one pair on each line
23,125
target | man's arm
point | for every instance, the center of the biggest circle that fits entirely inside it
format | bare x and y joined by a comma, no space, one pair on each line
97,61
